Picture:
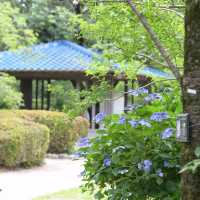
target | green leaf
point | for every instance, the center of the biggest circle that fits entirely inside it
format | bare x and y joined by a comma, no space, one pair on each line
197,152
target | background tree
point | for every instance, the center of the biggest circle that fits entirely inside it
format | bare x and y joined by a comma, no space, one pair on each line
113,28
10,97
50,20
14,31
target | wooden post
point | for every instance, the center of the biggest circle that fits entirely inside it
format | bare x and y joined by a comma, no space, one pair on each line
42,95
26,89
125,94
74,83
36,94
132,87
48,95
97,110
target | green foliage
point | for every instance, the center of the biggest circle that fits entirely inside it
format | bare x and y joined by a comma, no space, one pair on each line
10,97
113,28
74,102
193,166
114,166
64,131
70,194
14,31
22,142
49,20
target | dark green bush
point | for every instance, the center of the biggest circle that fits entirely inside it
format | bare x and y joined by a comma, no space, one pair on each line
22,142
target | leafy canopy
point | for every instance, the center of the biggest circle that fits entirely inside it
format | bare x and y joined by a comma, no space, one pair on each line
113,28
14,31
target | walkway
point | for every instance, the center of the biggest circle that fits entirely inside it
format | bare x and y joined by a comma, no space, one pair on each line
53,176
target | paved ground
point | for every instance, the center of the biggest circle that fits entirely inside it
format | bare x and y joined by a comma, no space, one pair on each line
53,176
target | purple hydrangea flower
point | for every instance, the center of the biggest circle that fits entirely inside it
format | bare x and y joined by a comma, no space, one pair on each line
167,133
152,97
122,120
144,123
99,117
160,173
106,162
83,142
138,91
159,116
133,123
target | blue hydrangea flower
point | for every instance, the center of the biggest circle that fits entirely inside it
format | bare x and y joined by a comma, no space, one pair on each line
152,97
145,165
143,122
99,117
160,173
122,120
138,91
106,162
83,142
167,133
133,123
159,116
166,164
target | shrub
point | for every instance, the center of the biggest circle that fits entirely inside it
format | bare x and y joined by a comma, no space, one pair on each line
135,155
22,142
64,131
81,126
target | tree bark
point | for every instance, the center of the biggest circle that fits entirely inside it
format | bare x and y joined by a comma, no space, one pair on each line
190,184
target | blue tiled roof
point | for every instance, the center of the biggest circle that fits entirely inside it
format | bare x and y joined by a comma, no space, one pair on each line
155,72
53,56
60,55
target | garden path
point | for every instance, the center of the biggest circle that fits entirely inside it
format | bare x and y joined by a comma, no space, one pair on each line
53,176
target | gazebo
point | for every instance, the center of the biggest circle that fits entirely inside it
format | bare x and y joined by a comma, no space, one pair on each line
58,60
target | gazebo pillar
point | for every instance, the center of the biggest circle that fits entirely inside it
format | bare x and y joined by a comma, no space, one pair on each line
26,89
125,95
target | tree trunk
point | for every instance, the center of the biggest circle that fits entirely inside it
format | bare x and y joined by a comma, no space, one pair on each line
191,101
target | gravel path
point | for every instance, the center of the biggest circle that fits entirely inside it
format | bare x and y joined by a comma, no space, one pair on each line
53,176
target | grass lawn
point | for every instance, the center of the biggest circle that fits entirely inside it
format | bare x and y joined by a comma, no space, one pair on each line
72,194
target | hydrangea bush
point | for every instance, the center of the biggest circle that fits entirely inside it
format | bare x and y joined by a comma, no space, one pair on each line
135,156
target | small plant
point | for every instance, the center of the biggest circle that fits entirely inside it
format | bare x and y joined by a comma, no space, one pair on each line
194,165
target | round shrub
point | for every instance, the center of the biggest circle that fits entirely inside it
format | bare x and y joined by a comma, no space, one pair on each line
22,142
64,132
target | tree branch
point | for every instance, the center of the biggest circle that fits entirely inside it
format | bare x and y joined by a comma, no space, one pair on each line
121,94
156,40
138,3
172,10
152,59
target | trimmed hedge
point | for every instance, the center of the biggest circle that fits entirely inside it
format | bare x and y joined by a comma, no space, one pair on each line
22,142
64,132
